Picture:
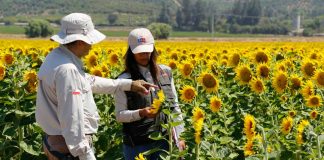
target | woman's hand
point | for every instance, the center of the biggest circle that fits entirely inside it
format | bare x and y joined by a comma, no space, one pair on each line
146,112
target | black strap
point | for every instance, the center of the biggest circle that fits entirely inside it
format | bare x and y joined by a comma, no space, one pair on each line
57,154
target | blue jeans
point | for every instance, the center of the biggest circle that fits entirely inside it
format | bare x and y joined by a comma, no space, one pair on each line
131,152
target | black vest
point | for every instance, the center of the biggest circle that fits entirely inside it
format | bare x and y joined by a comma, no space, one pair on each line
137,133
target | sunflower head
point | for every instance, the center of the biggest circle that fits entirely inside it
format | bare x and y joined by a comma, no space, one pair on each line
186,69
295,82
308,68
257,85
172,64
197,114
300,129
248,148
215,104
243,74
8,58
261,57
263,70
319,78
286,125
188,93
308,89
2,71
313,114
280,81
96,71
234,59
113,59
249,126
209,82
30,76
314,101
91,60
292,113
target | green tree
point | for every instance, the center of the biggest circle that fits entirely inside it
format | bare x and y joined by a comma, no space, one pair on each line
164,16
112,18
38,28
160,30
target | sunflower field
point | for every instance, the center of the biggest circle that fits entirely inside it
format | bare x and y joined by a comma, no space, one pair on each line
240,100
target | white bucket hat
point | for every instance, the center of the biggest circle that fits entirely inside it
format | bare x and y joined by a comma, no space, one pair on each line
141,40
78,26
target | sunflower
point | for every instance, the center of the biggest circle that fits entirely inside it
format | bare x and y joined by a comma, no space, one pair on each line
300,129
188,93
198,117
313,114
319,78
140,157
96,71
224,62
308,89
286,125
248,148
295,82
249,126
215,104
172,64
292,113
30,76
263,70
186,69
2,71
280,81
257,86
174,56
156,105
243,74
234,59
91,60
308,68
197,113
280,67
314,101
113,59
261,57
8,59
209,82
212,67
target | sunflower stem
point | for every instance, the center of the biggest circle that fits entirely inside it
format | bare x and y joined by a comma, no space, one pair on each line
319,147
197,151
264,144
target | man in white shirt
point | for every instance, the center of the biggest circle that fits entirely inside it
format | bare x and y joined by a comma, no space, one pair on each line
66,110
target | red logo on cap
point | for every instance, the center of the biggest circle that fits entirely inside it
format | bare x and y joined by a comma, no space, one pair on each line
141,40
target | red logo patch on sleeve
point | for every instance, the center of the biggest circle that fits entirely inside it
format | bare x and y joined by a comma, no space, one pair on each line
76,92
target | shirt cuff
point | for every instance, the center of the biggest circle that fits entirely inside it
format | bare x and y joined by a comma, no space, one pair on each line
126,84
88,156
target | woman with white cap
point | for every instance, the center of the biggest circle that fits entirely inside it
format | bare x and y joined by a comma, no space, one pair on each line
134,110
65,108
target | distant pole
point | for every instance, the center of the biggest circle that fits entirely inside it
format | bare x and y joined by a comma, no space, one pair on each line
298,23
212,25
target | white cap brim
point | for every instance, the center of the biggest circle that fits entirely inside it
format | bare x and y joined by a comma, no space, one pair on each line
92,37
143,48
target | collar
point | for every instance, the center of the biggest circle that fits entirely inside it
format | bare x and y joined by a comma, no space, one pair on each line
76,60
143,69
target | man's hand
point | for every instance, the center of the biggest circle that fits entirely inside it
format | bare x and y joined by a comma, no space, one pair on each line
182,145
140,86
146,112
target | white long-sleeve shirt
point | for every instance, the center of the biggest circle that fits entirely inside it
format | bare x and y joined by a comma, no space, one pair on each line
124,115
65,104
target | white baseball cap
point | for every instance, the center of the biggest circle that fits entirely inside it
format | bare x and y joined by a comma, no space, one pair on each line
141,40
78,26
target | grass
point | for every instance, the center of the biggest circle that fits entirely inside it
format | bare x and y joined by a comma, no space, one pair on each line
12,30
